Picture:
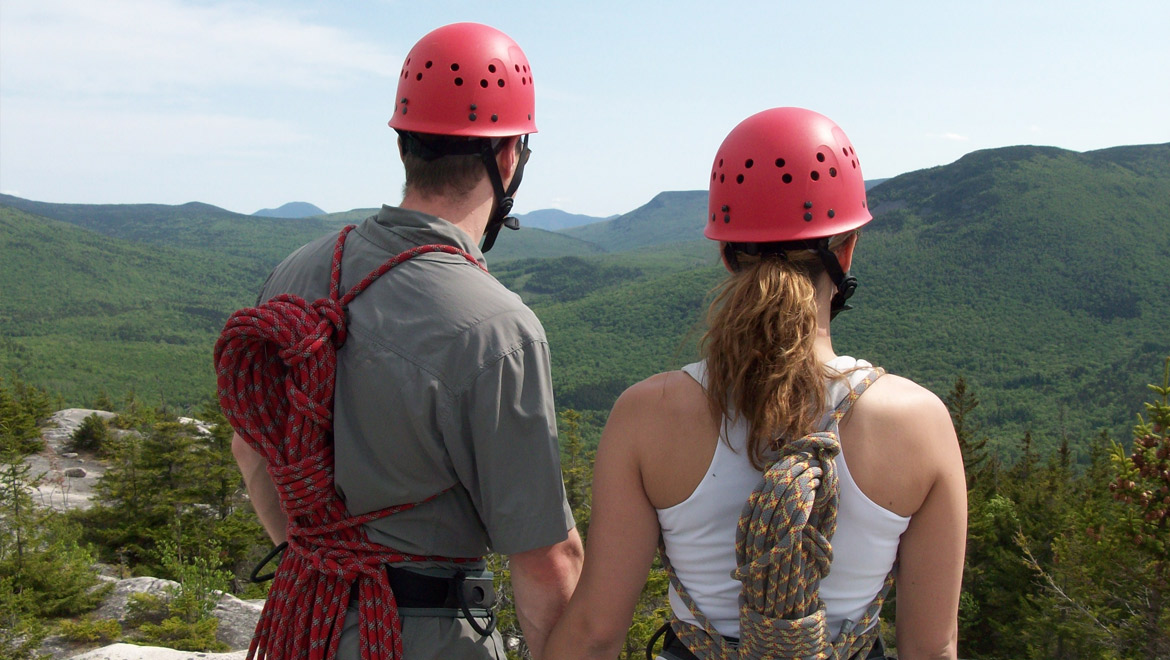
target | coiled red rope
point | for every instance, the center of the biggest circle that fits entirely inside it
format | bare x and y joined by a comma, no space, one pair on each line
276,367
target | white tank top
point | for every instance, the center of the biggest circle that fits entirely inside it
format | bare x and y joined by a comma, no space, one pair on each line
699,532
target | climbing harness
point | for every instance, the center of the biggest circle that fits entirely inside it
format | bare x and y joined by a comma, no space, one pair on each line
783,550
276,367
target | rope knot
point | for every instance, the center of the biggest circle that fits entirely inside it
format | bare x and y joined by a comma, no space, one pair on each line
805,637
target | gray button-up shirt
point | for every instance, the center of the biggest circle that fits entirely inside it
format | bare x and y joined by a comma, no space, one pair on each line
443,385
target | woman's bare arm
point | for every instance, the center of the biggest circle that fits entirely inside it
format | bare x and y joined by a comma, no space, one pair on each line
622,539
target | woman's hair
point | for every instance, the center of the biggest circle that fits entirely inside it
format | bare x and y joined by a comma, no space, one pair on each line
759,349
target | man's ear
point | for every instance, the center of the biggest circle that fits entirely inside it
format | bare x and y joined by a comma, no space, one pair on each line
508,157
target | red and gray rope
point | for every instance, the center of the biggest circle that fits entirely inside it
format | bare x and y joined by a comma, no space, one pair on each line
276,366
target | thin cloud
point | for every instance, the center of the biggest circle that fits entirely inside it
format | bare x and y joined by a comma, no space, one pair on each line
953,137
127,47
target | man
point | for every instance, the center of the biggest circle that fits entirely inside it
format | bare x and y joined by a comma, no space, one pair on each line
443,398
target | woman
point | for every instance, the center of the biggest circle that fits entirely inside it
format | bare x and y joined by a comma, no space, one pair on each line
683,451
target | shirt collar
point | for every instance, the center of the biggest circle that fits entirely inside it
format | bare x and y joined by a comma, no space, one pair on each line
393,224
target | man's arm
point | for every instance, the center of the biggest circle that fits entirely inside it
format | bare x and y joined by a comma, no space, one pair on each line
265,501
542,581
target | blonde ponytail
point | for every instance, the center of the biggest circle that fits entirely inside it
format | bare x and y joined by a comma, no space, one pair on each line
761,365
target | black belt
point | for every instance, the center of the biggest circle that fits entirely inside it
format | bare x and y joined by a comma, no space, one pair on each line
673,648
459,592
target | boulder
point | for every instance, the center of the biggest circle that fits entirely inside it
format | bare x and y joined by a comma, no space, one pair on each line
75,473
114,606
63,423
237,620
132,652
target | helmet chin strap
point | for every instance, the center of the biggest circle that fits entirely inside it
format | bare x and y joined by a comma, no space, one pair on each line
845,284
503,198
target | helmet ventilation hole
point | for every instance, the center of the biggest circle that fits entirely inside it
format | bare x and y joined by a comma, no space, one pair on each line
500,82
832,171
455,67
787,178
483,83
748,163
739,179
712,217
525,68
471,116
720,178
523,81
855,164
418,76
458,82
808,217
815,175
491,68
495,118
779,162
720,162
820,157
712,175
845,151
428,64
517,67
832,213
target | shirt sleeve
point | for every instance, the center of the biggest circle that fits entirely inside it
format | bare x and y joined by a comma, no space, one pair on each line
512,466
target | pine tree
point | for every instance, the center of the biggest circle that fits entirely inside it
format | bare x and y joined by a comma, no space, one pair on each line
1105,586
961,402
49,573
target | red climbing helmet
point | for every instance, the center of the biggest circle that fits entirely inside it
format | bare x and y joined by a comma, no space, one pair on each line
465,79
785,174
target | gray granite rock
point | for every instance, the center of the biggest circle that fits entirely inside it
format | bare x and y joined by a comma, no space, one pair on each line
114,606
133,652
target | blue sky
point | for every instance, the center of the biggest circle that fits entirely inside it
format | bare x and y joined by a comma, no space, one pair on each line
248,105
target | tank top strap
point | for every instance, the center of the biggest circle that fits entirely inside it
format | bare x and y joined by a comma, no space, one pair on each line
841,408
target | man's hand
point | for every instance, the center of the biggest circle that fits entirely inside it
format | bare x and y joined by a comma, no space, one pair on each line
542,581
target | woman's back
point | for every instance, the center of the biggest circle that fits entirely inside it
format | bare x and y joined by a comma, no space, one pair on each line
699,532
894,441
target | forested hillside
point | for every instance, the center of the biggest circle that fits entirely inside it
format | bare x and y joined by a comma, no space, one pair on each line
84,313
1037,274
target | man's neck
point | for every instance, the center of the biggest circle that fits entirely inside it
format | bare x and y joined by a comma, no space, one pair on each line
469,213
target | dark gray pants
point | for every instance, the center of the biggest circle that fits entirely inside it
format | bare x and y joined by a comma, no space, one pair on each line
429,638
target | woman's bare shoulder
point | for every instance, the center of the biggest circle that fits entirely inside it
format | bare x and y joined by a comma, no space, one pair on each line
893,399
662,397
904,417
899,440
665,423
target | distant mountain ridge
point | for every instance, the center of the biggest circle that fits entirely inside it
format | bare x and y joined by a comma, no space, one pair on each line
291,210
555,219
